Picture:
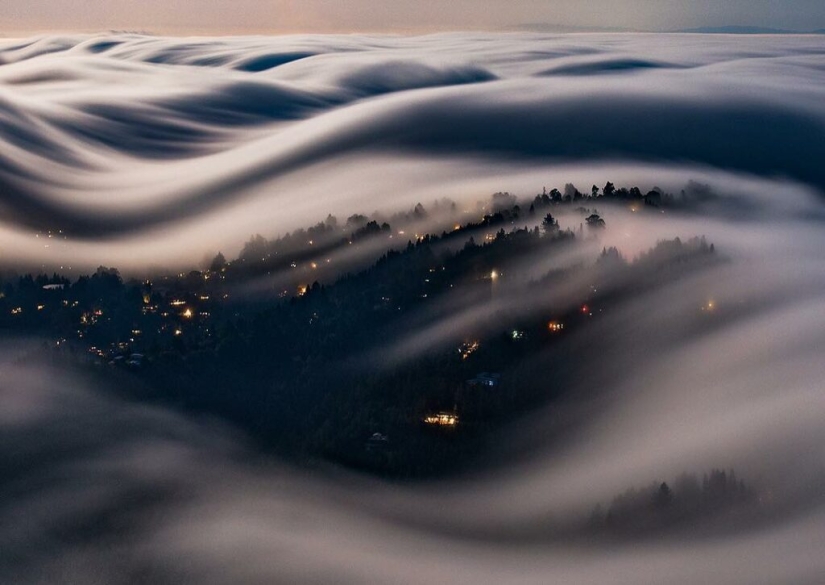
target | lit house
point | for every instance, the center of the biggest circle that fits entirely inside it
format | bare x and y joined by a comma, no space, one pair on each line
441,419
467,348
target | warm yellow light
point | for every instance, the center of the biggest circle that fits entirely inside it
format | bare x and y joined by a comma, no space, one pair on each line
494,275
443,419
467,348
188,313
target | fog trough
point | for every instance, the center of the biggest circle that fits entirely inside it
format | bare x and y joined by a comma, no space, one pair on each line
139,152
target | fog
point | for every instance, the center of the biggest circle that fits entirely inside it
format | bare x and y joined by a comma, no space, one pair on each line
140,149
140,152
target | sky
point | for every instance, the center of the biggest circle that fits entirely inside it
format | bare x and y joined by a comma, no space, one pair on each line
327,16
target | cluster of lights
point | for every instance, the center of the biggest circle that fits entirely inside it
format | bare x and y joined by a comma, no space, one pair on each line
90,318
442,419
467,349
555,326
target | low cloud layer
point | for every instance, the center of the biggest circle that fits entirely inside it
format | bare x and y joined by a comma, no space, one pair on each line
153,143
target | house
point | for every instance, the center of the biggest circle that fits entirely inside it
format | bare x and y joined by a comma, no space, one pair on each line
485,379
441,419
377,442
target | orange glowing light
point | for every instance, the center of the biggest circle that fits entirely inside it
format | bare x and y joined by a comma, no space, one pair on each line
442,419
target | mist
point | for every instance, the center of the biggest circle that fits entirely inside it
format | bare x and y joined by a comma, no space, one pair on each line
211,143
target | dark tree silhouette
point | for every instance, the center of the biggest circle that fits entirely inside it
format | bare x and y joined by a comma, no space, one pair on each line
609,189
595,221
549,224
218,263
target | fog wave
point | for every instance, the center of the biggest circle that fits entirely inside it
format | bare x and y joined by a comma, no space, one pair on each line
153,142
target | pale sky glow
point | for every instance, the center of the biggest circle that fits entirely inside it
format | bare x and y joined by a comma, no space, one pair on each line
285,16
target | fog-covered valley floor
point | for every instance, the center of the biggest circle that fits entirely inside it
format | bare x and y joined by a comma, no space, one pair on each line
151,155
